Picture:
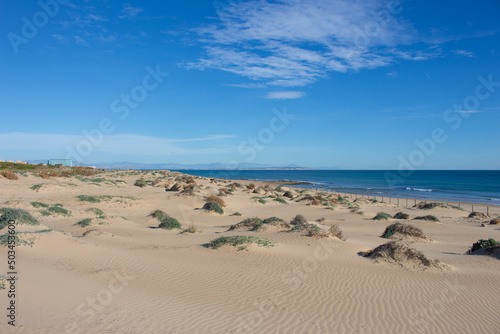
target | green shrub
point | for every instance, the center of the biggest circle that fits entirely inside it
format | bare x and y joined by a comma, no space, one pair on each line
281,200
382,216
17,215
247,223
169,223
84,222
59,210
140,183
482,243
36,186
236,214
39,205
213,206
90,199
240,241
97,212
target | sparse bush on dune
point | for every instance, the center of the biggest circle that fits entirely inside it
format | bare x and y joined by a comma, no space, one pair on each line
240,241
382,216
288,194
299,223
159,214
84,222
314,230
398,253
236,214
482,244
248,223
251,186
281,200
59,210
140,183
217,199
36,187
432,205
9,175
335,231
169,223
39,205
17,215
403,230
476,214
428,217
98,212
401,215
213,206
495,221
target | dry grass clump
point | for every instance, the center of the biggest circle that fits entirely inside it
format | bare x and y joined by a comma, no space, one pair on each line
314,230
251,186
382,216
401,215
247,224
476,214
9,175
399,231
400,254
428,217
240,241
191,229
272,222
217,199
432,205
495,221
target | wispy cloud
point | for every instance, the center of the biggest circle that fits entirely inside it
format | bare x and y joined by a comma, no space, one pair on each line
116,144
469,111
129,11
295,42
464,53
285,95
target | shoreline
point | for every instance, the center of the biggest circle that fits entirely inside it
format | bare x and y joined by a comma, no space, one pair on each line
304,184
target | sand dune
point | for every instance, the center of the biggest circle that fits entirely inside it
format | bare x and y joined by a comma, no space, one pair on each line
122,274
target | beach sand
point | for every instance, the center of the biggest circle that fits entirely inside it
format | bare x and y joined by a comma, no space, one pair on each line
121,274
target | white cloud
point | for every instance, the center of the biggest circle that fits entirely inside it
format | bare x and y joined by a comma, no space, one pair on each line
469,111
285,95
295,42
114,144
464,53
129,11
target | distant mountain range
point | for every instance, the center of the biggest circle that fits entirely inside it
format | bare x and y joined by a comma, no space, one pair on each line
173,166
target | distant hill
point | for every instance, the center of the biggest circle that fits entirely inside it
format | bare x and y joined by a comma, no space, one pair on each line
170,166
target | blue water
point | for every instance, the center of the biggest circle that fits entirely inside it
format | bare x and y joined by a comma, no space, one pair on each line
453,186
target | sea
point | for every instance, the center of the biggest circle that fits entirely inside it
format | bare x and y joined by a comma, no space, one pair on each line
466,186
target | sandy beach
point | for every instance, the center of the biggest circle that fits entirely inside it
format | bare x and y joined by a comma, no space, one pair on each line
98,263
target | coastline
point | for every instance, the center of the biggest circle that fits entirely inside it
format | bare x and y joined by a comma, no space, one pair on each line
427,194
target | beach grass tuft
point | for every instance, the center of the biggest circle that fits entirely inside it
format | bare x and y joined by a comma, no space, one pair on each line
382,216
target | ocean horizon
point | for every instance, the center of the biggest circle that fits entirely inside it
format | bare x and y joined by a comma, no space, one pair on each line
469,186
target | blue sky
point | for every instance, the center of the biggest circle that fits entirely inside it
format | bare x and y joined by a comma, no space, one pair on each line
362,84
